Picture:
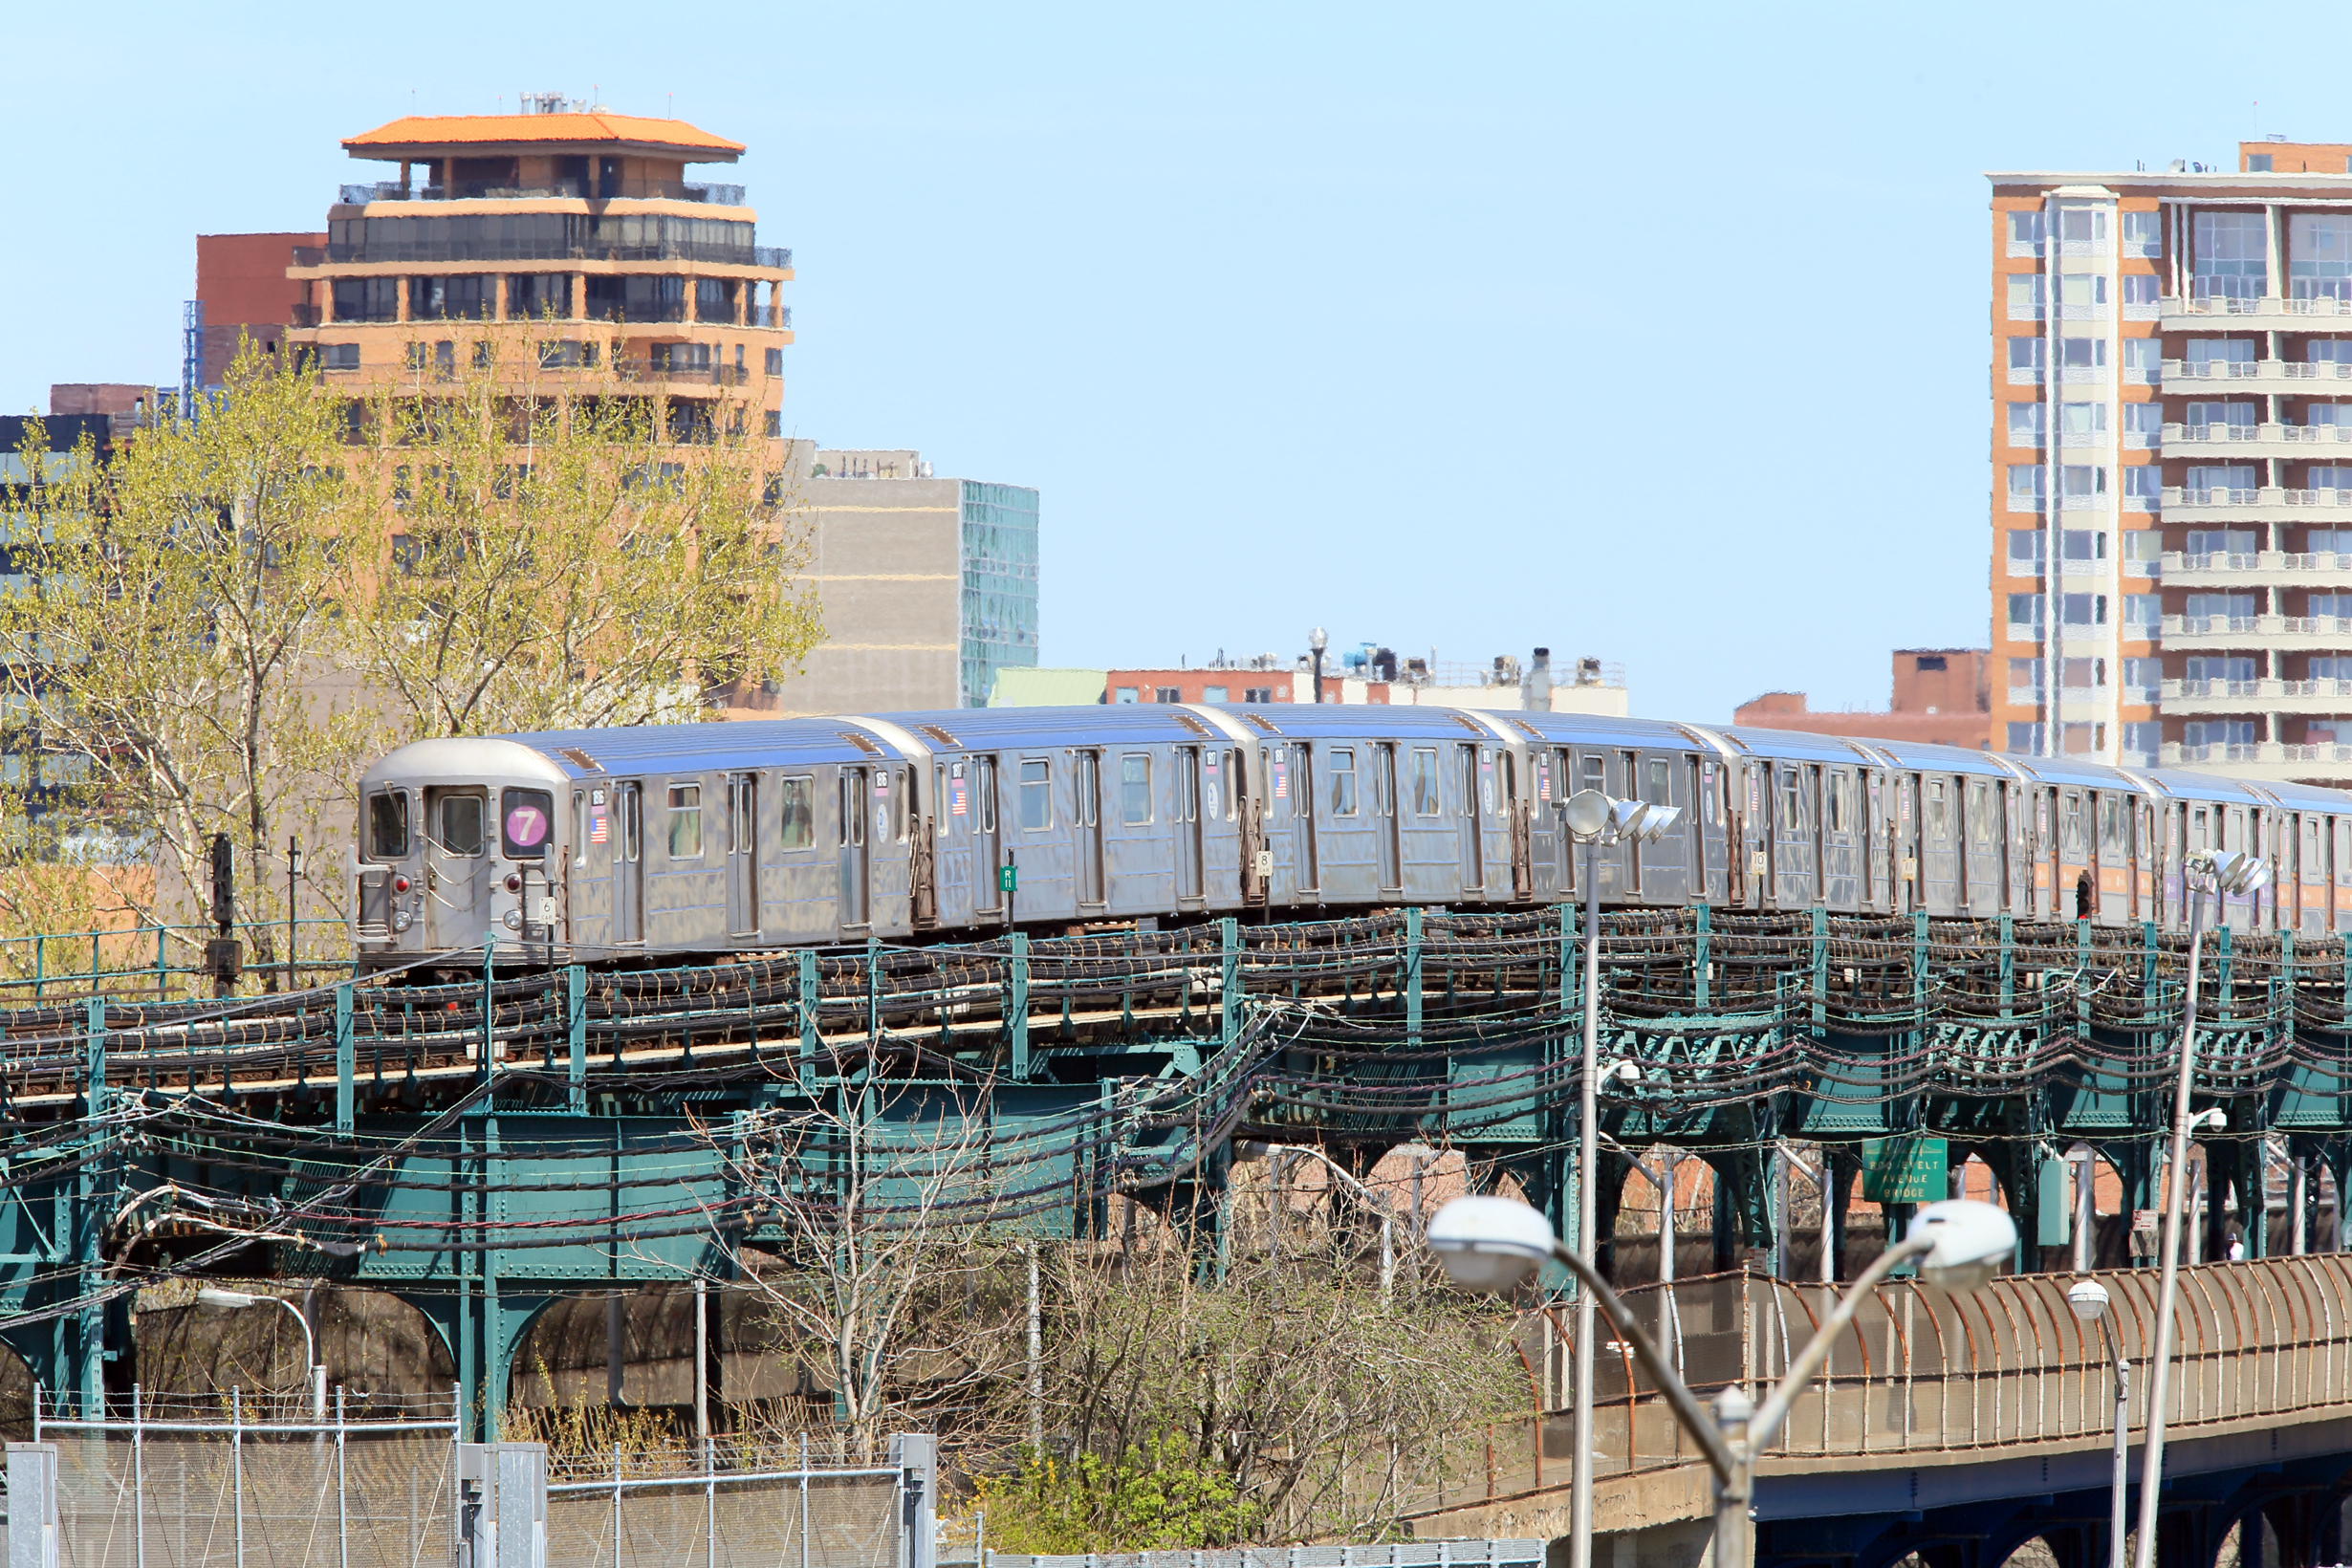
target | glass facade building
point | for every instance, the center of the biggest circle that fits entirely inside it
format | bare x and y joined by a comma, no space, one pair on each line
998,614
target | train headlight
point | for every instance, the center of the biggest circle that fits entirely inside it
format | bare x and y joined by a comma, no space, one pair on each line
403,920
514,920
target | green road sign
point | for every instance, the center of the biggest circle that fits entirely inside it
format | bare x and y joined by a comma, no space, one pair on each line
1904,1169
1007,878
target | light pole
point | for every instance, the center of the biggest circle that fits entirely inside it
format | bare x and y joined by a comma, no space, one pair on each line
212,1295
2089,1299
2217,873
1318,642
1498,1244
1592,819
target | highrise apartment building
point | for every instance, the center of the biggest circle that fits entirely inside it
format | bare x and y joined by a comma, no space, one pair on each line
572,235
2173,464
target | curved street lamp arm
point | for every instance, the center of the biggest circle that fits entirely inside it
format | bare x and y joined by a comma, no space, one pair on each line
1678,1395
1774,1409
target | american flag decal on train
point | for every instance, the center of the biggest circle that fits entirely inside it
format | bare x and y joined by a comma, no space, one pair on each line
955,795
1282,782
595,827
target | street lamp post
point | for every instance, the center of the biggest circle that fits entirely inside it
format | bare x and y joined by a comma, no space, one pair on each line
2217,874
212,1295
1498,1244
1388,1244
1593,819
2089,1299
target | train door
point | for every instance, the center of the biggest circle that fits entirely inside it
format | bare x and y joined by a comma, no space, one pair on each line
1873,838
457,867
987,858
1815,802
856,788
629,861
1543,826
1189,823
1981,860
1088,827
1386,846
1700,822
2016,875
2342,860
1306,871
743,853
1792,836
1836,859
1474,864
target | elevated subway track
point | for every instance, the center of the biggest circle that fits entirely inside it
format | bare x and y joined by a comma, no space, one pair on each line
482,1148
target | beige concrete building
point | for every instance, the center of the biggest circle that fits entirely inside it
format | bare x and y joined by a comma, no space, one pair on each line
2171,442
929,584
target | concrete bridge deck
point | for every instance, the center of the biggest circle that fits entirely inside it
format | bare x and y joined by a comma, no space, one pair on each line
1961,1427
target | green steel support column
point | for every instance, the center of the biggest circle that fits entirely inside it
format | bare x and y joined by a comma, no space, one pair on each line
1702,960
490,1011
86,1219
808,1021
495,1351
2082,966
873,992
1229,990
576,1029
2286,978
464,1264
2221,974
1412,977
1016,1006
346,1059
2148,966
1820,971
1919,968
2009,967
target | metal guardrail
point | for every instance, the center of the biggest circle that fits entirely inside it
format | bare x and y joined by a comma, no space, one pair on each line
2005,1368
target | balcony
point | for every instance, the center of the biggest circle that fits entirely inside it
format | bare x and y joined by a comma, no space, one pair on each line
2268,504
2267,759
2215,375
2024,696
2267,568
2264,696
2177,314
2284,632
2319,442
2025,376
577,190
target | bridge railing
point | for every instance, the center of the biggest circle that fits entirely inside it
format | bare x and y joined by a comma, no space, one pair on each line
2266,1341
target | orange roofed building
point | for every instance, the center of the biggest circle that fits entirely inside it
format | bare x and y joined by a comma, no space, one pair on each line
1941,697
574,234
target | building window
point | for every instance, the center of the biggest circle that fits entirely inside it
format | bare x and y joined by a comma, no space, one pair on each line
2025,354
2083,226
2025,296
413,356
2025,552
773,362
2082,291
2082,609
533,297
2142,235
2024,486
568,353
2082,353
1257,694
2140,288
772,423
636,297
1166,694
2219,484
339,356
2258,163
2143,481
2236,421
2025,229
2025,424
1212,694
2079,421
462,298
2025,739
1124,694
2144,612
2142,741
2025,610
2143,360
2144,424
2082,544
2232,251
367,299
712,304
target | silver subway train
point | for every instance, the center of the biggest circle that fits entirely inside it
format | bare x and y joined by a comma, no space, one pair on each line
668,842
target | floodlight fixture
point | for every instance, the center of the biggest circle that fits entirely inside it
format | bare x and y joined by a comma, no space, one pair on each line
2089,1299
1586,814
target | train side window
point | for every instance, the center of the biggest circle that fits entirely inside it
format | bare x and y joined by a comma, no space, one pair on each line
796,813
1792,802
902,810
579,827
2198,830
2110,824
387,824
1425,782
525,820
2343,850
1236,783
984,792
1980,814
1710,799
2310,871
1341,764
939,796
1036,794
1135,788
1595,771
1938,811
2070,833
1660,790
461,823
1838,784
686,821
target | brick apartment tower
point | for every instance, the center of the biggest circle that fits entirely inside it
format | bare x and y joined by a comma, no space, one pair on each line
2172,465
577,228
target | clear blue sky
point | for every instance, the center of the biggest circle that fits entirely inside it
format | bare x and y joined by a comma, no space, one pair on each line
1656,334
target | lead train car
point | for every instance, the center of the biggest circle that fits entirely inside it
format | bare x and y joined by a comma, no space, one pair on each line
668,842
